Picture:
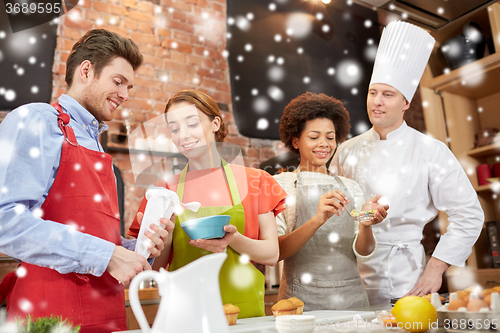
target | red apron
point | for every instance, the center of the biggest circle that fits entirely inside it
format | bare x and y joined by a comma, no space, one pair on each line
83,195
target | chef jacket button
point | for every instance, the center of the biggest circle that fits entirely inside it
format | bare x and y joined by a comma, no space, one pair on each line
91,272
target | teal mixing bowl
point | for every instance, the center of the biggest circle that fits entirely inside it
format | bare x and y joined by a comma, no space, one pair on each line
206,227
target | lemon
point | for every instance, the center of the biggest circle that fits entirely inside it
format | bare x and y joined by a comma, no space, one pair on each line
414,314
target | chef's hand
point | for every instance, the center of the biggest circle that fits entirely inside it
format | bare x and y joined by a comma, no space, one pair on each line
380,214
330,203
431,279
126,264
216,245
159,236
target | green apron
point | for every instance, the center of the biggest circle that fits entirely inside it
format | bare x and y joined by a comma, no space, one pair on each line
240,283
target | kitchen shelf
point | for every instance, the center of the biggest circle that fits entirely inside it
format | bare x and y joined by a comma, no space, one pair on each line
466,80
485,151
484,188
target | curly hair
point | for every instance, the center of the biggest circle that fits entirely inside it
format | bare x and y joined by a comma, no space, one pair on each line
310,106
205,104
100,47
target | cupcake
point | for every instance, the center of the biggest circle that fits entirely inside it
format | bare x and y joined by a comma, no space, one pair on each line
231,312
283,308
298,303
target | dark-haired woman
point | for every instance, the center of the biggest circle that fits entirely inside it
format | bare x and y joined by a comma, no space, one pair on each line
318,239
250,196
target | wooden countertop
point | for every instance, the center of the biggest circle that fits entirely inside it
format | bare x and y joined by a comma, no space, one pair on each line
145,294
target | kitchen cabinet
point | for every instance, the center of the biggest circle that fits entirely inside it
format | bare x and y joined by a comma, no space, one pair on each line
150,300
457,105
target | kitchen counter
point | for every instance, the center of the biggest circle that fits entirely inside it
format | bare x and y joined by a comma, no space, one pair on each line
330,321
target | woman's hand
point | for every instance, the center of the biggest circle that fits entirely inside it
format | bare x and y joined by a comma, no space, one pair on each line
216,245
160,235
330,203
380,211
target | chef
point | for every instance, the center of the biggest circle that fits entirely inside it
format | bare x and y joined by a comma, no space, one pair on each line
417,176
58,203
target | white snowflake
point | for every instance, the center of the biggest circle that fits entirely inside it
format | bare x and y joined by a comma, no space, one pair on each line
25,305
333,237
243,23
262,124
261,105
349,73
34,152
21,272
306,278
361,127
244,259
77,166
300,25
276,73
19,209
37,212
10,95
97,197
276,93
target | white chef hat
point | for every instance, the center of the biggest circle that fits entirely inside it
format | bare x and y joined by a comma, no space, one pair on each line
402,55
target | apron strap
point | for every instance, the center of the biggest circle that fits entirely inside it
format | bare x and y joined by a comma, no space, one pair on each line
63,121
408,252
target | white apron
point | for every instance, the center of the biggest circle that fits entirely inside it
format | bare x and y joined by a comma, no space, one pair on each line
394,268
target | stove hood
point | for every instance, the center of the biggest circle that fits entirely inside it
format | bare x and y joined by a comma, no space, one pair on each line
429,14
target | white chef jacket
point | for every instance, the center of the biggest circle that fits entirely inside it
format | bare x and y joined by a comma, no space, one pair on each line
418,176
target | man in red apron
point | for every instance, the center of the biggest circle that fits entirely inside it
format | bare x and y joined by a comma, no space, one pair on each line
61,219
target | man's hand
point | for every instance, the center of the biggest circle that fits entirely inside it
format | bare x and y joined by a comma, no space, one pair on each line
380,211
160,235
126,264
431,279
216,245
